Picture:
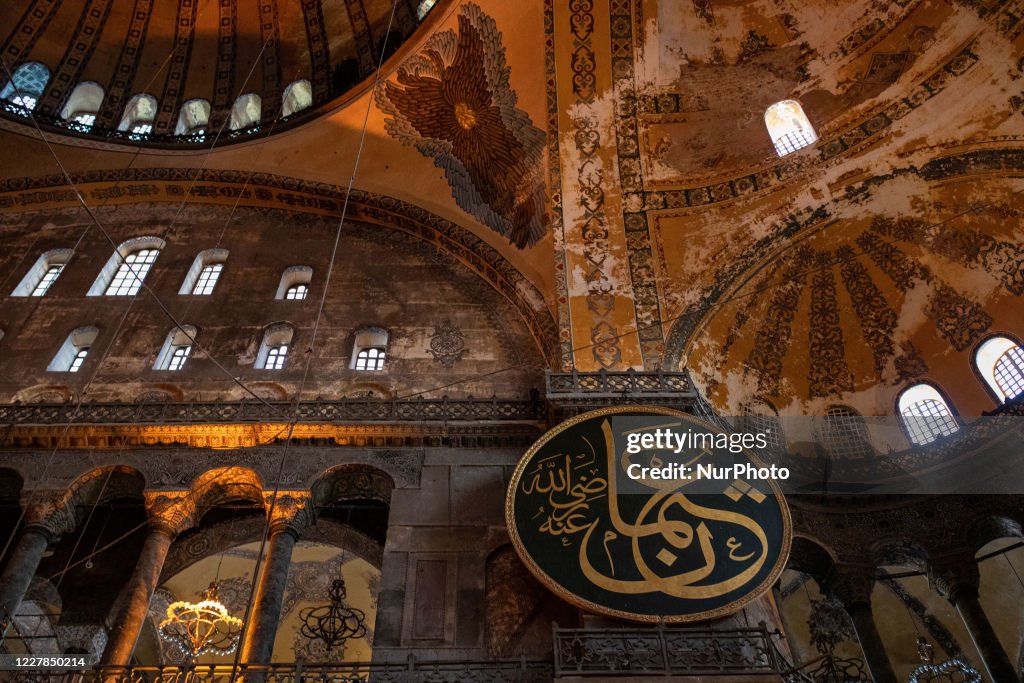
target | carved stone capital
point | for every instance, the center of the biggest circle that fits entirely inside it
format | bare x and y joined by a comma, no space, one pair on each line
955,576
851,585
292,512
171,511
51,513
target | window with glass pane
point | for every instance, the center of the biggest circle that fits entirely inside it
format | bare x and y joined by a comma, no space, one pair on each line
925,414
296,292
178,357
1009,372
208,279
275,357
370,359
49,277
132,272
79,358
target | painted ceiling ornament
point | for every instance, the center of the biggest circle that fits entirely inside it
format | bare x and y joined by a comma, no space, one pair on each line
953,670
453,103
447,344
830,625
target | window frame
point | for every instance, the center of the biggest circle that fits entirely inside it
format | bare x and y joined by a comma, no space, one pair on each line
74,350
110,268
987,378
950,408
33,278
275,337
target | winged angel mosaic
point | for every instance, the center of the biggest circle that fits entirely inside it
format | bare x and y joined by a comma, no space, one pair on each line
454,104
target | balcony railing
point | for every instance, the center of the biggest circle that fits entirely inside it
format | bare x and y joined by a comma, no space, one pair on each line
584,390
219,412
665,652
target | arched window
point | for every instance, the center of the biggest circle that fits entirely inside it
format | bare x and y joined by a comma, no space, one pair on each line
424,7
127,267
247,111
139,114
26,86
369,349
789,127
82,106
73,352
205,271
925,414
274,349
844,433
761,417
1000,361
294,283
297,96
193,119
43,274
176,349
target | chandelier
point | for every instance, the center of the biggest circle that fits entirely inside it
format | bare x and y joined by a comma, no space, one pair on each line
953,670
200,628
333,623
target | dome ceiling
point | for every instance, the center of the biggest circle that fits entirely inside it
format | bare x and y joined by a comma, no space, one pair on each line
211,50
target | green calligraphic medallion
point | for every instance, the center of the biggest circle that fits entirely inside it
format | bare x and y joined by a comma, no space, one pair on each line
649,528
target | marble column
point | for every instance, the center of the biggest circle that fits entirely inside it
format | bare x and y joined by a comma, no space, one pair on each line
852,587
46,519
957,578
290,515
169,515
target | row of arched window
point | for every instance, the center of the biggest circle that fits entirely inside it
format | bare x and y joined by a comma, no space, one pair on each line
82,106
127,268
368,351
788,125
925,413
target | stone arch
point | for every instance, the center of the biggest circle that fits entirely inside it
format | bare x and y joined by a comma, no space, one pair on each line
226,484
899,552
105,484
207,540
808,556
352,482
990,528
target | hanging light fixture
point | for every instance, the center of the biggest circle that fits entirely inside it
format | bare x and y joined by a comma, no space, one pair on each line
203,627
953,670
335,622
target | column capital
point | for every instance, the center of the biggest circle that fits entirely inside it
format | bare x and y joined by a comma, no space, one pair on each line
851,585
171,511
292,511
51,513
954,576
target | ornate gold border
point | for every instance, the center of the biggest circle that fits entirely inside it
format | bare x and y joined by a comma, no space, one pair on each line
557,589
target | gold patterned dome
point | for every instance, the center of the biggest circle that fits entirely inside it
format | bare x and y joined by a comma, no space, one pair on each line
177,72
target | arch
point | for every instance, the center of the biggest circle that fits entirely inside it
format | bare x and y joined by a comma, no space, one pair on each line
43,273
369,349
138,117
789,127
247,111
207,540
176,349
296,97
193,118
294,284
226,484
83,105
925,414
11,484
760,416
27,84
103,485
352,482
992,528
119,277
206,269
844,433
999,360
807,556
273,353
74,350
900,552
